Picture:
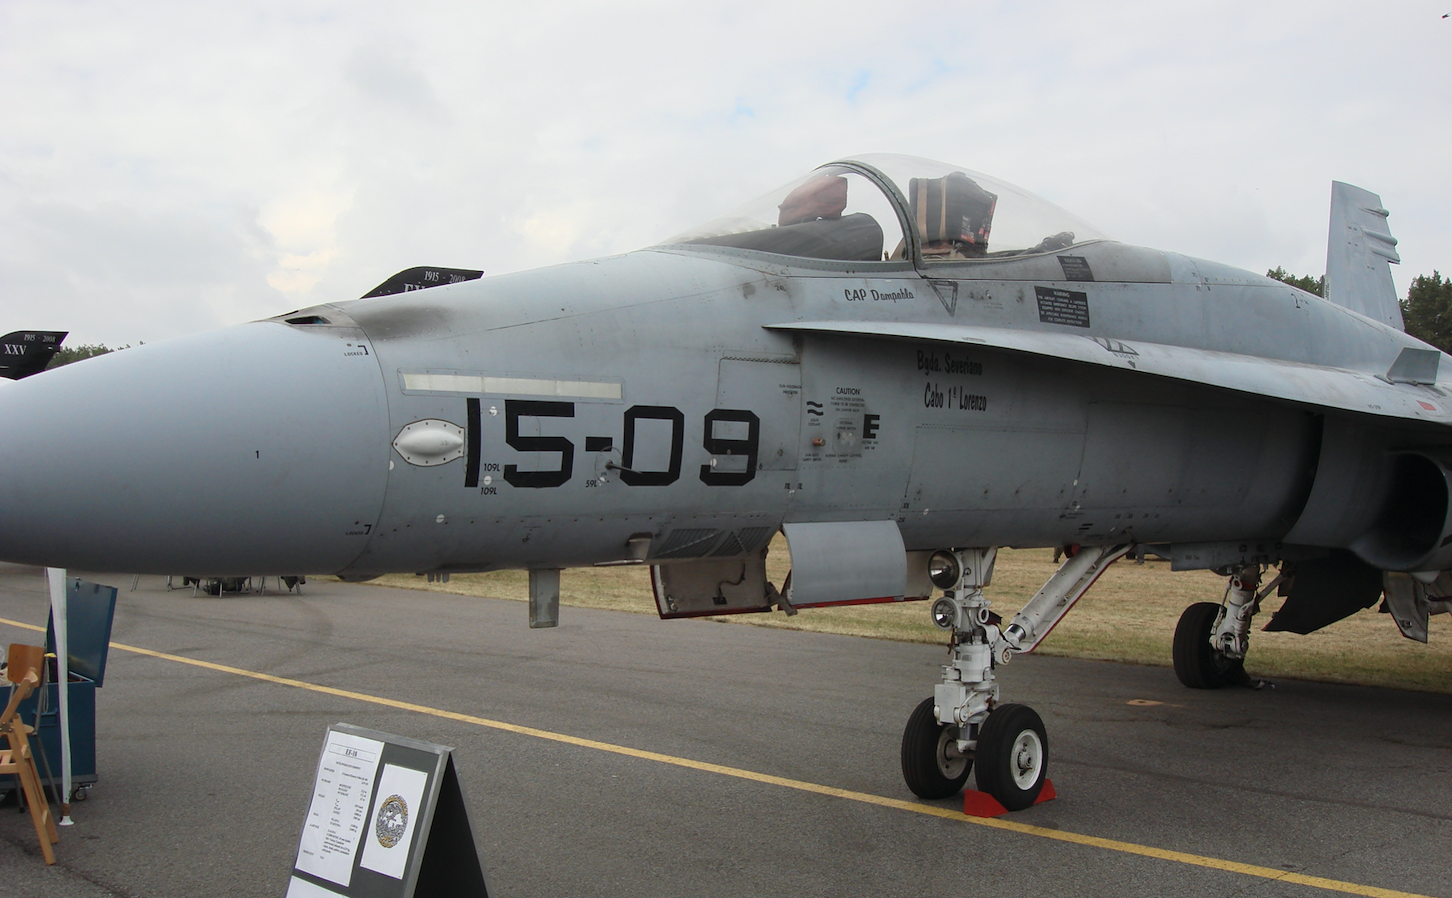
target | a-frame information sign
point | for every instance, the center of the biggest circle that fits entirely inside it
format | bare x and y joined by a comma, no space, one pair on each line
387,820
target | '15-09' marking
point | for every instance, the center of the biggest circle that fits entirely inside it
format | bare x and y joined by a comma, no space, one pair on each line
514,409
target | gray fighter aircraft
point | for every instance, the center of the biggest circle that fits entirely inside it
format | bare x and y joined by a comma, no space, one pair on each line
901,365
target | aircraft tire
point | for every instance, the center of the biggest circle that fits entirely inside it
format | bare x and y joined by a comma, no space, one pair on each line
1197,664
926,767
1012,756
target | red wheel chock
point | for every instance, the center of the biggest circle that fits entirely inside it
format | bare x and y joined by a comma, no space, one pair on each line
981,804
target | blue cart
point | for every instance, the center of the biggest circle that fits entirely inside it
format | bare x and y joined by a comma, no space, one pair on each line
90,609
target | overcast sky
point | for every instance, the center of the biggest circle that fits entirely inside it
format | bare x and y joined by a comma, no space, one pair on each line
169,167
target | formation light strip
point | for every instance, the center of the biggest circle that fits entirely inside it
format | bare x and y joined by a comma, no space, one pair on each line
477,384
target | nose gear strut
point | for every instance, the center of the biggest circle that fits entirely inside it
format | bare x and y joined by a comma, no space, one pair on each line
964,720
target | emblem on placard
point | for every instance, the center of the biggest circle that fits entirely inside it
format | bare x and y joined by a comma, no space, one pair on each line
392,821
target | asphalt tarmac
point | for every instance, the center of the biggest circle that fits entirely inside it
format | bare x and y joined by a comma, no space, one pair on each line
205,774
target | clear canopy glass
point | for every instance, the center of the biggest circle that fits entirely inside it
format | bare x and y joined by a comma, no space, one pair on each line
838,213
831,213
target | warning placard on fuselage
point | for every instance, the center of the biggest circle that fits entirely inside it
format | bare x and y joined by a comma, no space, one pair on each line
1057,306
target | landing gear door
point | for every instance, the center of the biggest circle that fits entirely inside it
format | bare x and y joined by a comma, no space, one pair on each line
713,586
846,563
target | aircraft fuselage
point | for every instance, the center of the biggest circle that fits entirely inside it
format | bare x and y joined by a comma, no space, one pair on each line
657,394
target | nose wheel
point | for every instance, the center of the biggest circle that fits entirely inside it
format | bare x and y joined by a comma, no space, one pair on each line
932,764
1013,756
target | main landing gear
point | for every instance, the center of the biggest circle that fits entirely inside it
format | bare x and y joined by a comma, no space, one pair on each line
963,727
1211,640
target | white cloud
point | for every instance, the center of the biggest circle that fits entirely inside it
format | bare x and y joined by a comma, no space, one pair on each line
115,273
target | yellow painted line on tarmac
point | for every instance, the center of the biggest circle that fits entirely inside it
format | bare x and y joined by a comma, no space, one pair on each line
1179,857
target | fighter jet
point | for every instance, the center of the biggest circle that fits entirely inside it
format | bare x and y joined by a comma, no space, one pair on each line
899,364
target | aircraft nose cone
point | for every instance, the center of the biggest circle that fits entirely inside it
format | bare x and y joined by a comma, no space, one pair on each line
259,449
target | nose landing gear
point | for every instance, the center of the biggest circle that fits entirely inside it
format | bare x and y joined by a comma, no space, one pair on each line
963,727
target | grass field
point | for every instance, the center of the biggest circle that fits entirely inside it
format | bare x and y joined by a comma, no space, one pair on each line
1129,616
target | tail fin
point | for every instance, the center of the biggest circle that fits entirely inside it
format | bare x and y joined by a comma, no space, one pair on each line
1357,252
24,353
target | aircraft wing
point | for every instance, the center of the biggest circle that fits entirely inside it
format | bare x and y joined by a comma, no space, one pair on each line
1327,387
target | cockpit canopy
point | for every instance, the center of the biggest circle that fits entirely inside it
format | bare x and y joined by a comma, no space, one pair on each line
852,211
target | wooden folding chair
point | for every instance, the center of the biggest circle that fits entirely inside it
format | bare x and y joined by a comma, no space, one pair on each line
23,672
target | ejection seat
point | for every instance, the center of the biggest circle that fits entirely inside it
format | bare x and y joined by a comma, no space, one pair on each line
953,215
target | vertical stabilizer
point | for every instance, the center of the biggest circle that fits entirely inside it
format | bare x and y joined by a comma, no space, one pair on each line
24,353
1358,251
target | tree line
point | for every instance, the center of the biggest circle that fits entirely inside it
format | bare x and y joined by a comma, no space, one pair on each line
67,354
